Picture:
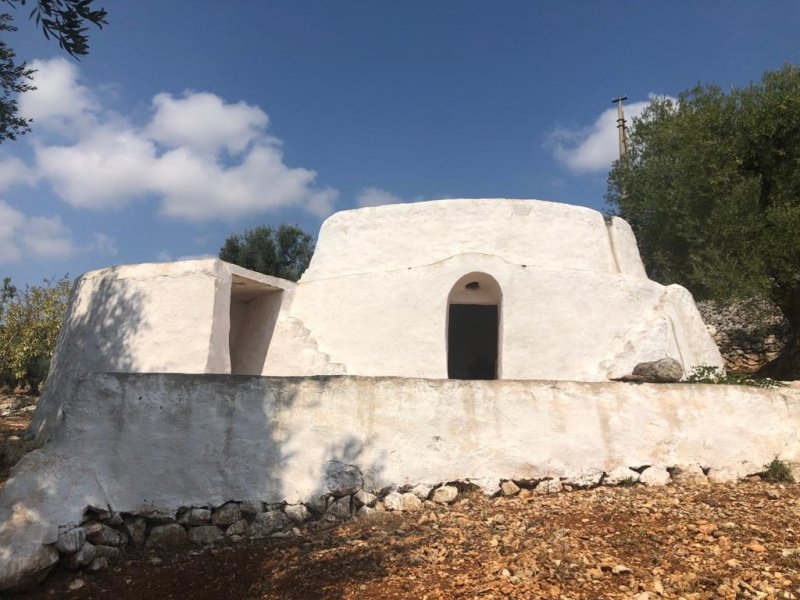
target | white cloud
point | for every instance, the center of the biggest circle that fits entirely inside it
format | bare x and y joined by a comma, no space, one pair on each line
10,221
201,157
59,99
204,123
40,237
373,196
103,244
47,237
593,148
13,171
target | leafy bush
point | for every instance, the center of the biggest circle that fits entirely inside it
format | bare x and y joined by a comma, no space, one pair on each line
30,320
708,374
777,470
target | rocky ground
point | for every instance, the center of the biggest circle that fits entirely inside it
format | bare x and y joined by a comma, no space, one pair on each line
678,541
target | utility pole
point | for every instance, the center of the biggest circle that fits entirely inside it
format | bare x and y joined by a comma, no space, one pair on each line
623,134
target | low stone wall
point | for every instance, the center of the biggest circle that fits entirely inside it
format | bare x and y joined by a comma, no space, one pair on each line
161,446
103,535
749,335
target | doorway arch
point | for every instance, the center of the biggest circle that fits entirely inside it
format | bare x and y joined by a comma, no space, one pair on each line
473,327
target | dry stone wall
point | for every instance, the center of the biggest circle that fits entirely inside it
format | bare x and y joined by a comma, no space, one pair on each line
103,535
749,334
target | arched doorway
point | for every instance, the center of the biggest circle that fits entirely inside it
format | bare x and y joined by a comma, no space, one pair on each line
473,328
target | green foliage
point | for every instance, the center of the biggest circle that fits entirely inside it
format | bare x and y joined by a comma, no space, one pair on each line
708,374
777,471
29,324
14,80
63,20
283,252
711,187
628,482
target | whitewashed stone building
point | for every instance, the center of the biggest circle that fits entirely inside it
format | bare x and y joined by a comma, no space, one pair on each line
460,289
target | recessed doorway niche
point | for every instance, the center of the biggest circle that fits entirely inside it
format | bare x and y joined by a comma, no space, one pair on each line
473,328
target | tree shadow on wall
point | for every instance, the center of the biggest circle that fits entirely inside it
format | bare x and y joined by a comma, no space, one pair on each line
95,337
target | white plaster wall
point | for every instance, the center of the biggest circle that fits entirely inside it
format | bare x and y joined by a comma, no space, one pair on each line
626,250
556,323
161,441
522,232
152,317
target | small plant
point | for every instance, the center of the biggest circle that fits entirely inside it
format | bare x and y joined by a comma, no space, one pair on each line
709,374
628,482
777,471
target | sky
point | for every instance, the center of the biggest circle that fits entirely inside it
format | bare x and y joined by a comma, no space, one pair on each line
191,120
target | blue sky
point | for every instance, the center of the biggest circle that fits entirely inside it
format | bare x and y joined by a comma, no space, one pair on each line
191,119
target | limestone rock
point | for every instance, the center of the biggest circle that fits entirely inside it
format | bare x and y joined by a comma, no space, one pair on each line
195,516
296,512
24,570
107,536
654,476
421,491
393,501
410,502
81,558
509,488
167,535
339,509
71,540
267,523
722,476
115,520
137,530
240,528
98,564
108,552
251,508
583,482
690,475
203,535
445,494
620,475
363,497
549,486
366,511
342,479
665,370
227,514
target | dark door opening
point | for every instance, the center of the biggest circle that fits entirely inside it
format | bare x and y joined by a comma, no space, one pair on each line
472,341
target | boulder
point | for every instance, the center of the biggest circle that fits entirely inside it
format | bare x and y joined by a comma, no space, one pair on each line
342,479
296,512
240,528
365,498
266,523
410,502
665,370
445,494
227,514
137,530
71,540
195,516
107,536
549,486
85,555
421,491
654,476
722,476
620,475
509,488
167,535
203,535
339,510
393,501
108,552
689,475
